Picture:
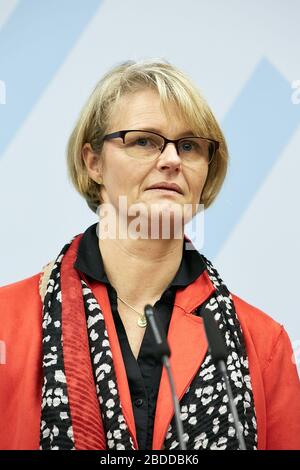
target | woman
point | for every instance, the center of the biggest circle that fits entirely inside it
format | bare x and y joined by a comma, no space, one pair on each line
81,369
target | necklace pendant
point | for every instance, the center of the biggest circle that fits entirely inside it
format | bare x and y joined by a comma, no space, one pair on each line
142,321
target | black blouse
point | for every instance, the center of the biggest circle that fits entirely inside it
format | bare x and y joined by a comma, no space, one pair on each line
143,373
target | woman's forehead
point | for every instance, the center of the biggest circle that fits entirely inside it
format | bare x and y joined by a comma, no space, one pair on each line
145,110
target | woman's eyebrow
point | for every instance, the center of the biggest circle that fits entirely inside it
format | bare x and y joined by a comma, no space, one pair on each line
158,131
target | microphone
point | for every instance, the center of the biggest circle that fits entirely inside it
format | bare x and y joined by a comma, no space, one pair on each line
219,353
163,353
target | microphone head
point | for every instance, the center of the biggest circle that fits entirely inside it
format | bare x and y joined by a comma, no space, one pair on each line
148,310
217,346
162,348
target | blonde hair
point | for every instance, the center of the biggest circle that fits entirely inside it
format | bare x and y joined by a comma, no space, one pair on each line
173,86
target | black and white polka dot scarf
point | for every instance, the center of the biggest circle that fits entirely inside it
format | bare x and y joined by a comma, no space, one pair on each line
207,420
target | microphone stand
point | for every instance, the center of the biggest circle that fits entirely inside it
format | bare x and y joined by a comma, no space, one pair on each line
163,353
222,368
219,353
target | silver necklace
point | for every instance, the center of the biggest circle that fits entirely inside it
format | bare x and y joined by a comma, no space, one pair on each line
142,320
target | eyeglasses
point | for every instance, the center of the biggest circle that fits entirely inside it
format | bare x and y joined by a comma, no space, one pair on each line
149,145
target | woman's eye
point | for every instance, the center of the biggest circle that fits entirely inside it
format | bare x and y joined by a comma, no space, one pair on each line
142,142
187,146
145,142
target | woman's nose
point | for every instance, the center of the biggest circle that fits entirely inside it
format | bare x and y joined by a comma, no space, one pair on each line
169,156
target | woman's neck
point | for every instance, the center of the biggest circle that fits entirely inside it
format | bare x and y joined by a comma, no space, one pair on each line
140,270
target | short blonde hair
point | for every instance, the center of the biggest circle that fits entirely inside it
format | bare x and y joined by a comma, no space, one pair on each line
174,87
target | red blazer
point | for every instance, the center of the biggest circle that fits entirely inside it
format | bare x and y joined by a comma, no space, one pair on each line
275,382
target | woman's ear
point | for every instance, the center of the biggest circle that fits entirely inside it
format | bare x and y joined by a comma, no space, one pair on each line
93,163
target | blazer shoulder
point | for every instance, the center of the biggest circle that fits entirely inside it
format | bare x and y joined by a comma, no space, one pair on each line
254,317
262,333
20,295
36,283
18,286
21,313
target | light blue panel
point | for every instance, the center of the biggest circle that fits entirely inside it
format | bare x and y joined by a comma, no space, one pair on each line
257,128
33,44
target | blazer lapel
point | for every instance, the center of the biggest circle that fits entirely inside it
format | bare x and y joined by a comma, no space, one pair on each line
101,294
188,344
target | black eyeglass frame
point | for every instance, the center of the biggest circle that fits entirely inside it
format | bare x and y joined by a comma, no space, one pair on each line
122,134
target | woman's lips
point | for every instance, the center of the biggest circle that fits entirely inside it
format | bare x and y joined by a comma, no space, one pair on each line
163,189
166,186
